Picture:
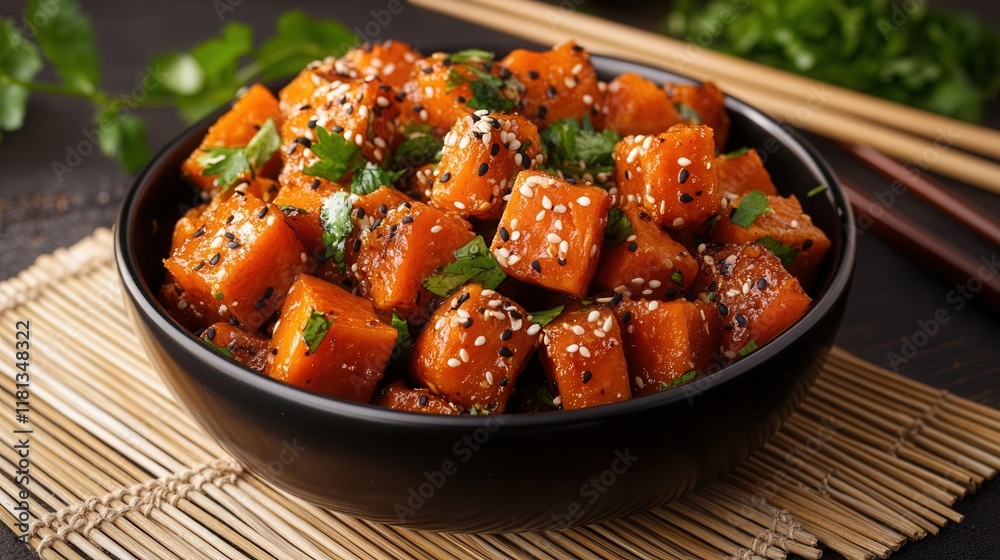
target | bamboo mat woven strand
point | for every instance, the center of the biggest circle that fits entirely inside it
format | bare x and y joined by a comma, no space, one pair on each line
119,471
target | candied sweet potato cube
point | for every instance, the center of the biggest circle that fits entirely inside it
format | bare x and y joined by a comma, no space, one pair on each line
297,95
785,223
482,155
234,130
558,83
551,232
708,102
583,358
246,348
399,397
474,347
403,248
241,265
756,297
635,105
392,61
330,341
742,172
649,263
666,341
429,99
302,207
671,175
175,302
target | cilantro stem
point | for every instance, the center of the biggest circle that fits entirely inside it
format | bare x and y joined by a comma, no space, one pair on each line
54,89
248,72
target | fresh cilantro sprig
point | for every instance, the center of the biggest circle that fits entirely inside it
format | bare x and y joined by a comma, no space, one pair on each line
780,250
575,148
335,217
315,330
753,205
402,331
750,347
488,91
473,263
687,113
542,318
338,156
619,227
231,164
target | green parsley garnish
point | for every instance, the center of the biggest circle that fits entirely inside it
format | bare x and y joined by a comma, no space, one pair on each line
229,165
749,348
218,295
336,155
687,113
815,191
780,250
677,277
542,318
402,331
371,177
472,55
687,376
291,210
545,397
752,206
335,217
315,330
575,148
220,349
473,263
419,149
619,227
735,153
487,90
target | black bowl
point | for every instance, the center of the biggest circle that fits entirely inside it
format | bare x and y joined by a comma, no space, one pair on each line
514,472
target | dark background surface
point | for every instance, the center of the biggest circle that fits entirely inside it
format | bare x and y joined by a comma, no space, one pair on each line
891,297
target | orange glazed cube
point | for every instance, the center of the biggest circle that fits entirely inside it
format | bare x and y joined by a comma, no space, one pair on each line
403,247
391,61
246,348
399,397
667,343
583,358
635,105
428,97
474,347
234,130
302,207
175,303
238,266
551,232
708,102
649,263
558,83
755,296
330,342
786,224
482,155
297,95
671,175
743,171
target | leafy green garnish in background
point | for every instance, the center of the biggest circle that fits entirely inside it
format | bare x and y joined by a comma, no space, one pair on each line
194,82
575,148
473,263
934,59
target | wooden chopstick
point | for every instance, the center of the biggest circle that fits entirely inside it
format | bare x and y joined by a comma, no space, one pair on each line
937,255
930,190
815,115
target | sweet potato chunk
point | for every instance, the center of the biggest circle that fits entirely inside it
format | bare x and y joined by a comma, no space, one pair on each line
246,348
429,99
635,105
671,175
403,248
551,232
558,83
302,207
391,61
708,102
742,172
786,224
583,358
474,347
330,342
667,343
239,265
755,296
234,130
175,302
649,263
399,397
482,155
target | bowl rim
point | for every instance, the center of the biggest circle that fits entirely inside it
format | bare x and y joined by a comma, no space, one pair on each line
156,317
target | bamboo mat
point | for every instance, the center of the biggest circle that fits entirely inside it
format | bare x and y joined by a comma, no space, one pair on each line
119,471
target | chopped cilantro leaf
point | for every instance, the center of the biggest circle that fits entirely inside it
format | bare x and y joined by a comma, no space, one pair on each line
687,376
419,149
230,164
735,153
315,330
542,318
219,295
402,330
780,250
545,397
677,276
487,90
749,348
369,178
486,94
619,227
752,206
816,191
336,155
220,349
687,113
473,263
263,144
289,209
335,217
574,148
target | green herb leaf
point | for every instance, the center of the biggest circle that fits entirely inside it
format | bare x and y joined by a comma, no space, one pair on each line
371,177
263,144
749,348
336,155
687,376
301,39
687,113
220,349
486,94
218,59
677,277
619,227
417,150
290,210
780,250
473,55
402,331
473,263
488,91
219,295
123,137
574,148
735,153
545,397
315,330
751,207
335,217
19,61
542,318
67,40
815,191
226,164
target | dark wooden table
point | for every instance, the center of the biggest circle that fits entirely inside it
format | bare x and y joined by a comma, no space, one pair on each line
892,299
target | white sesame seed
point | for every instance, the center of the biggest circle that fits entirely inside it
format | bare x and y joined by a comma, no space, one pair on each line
540,215
746,288
632,154
647,292
559,208
732,293
653,305
593,250
436,229
638,280
440,324
631,329
794,223
553,238
513,259
584,351
599,333
570,83
459,205
489,377
678,222
572,348
464,354
487,293
182,304
647,142
639,383
546,203
454,362
514,146
558,224
513,223
480,341
217,242
503,252
594,316
382,101
515,235
533,329
578,330
729,354
518,159
423,115
464,142
557,400
526,191
683,161
563,246
462,313
583,201
588,99
576,69
608,323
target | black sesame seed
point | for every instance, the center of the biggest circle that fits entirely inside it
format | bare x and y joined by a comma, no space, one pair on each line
671,292
484,169
445,177
505,73
315,184
446,62
357,245
542,111
627,316
234,321
686,198
260,304
506,352
633,246
274,351
616,299
723,310
417,108
587,375
229,220
461,99
229,236
628,175
537,266
311,123
263,212
305,107
504,234
201,231
503,382
697,193
382,208
210,333
494,149
304,141
516,315
683,175
506,334
269,292
463,298
215,259
337,129
407,219
552,91
426,69
577,48
234,245
360,213
807,244
741,319
349,110
377,223
496,124
561,261
199,266
393,228
761,283
533,75
422,400
468,323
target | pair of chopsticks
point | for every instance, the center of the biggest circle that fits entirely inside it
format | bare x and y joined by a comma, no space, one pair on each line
866,126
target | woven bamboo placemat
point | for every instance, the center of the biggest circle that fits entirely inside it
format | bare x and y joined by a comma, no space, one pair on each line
119,471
